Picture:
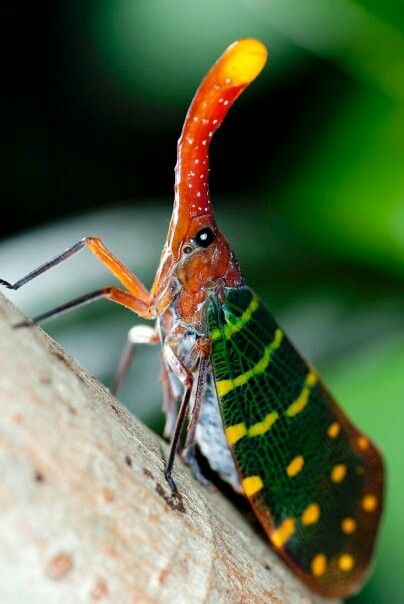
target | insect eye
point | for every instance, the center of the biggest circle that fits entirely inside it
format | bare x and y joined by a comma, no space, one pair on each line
204,237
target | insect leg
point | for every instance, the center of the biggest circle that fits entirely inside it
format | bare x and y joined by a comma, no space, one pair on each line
186,378
196,409
110,293
171,383
139,334
96,247
188,455
170,400
45,267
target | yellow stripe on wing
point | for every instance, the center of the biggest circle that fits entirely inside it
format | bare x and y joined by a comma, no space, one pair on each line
232,328
224,386
234,433
237,431
300,403
264,426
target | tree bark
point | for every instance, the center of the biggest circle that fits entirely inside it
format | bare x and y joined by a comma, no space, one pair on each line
85,512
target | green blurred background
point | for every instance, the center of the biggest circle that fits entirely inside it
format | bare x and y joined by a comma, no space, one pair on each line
307,178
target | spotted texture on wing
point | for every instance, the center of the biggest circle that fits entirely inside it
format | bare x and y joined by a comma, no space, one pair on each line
314,481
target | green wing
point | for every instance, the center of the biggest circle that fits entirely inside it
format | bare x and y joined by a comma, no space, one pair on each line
314,481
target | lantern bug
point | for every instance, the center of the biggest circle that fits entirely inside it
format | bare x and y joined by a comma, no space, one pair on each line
256,409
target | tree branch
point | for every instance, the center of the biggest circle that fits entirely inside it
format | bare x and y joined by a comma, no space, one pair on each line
85,512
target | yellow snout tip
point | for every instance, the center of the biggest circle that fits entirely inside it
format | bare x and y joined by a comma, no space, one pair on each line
243,61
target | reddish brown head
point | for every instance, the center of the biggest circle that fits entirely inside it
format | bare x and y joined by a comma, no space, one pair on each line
196,253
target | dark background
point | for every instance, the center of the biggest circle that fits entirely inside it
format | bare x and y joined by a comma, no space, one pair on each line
307,178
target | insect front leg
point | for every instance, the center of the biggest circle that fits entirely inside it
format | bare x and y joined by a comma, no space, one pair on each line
139,334
110,293
189,453
186,378
202,350
171,382
171,397
137,298
200,354
98,249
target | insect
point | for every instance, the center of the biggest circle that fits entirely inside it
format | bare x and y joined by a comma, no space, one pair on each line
256,409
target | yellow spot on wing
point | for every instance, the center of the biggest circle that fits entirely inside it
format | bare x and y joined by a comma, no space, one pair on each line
319,565
369,503
295,466
311,514
284,531
264,426
333,430
346,562
232,328
363,443
224,386
348,525
252,484
234,433
338,472
303,398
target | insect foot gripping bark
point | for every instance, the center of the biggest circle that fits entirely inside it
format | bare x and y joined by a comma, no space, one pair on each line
258,412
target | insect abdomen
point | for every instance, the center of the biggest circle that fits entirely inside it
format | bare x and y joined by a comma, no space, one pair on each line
315,482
